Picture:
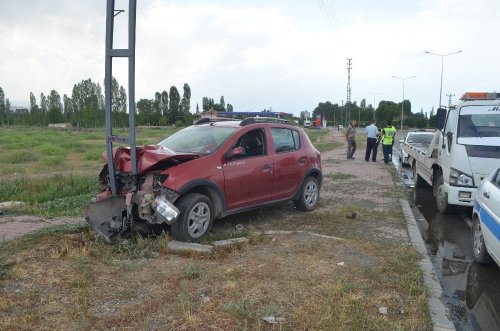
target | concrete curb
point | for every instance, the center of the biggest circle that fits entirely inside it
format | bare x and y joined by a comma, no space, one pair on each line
440,314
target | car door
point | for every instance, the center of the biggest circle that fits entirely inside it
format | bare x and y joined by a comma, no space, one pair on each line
248,178
489,198
290,162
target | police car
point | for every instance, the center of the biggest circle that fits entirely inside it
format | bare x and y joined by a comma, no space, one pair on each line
486,220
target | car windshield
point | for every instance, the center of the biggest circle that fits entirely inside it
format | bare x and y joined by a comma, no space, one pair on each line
203,139
421,138
479,125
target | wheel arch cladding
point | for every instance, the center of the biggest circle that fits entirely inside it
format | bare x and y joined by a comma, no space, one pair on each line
209,189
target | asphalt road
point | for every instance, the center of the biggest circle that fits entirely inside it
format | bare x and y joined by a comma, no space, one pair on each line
470,290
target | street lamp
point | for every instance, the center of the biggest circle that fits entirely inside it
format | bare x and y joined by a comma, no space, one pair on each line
403,103
442,62
374,95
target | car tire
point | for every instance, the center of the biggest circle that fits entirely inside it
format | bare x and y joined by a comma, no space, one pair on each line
309,195
195,219
417,180
442,197
478,247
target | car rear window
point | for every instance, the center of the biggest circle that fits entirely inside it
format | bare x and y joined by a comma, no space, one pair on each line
422,138
285,139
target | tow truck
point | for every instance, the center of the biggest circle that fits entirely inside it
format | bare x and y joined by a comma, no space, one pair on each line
464,150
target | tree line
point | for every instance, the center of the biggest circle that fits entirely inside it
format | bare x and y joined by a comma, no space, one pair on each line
336,114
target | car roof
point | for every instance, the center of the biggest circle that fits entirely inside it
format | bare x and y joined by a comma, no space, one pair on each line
244,122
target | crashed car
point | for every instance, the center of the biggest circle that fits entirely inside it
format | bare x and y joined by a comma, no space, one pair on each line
204,172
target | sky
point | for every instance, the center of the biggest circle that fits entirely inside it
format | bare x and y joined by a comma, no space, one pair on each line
286,56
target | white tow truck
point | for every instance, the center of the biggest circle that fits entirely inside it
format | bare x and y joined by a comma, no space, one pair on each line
465,149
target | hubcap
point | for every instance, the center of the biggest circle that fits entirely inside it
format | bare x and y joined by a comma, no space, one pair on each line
311,194
199,219
477,238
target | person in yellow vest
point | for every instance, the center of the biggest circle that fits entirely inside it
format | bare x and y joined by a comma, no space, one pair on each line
388,134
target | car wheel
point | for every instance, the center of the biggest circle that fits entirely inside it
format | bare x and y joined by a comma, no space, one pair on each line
195,219
417,180
478,247
309,195
442,197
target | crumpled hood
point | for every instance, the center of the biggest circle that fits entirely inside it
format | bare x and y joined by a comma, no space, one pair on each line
147,156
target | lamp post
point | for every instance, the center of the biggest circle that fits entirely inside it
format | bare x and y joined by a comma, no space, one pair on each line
403,103
374,95
442,63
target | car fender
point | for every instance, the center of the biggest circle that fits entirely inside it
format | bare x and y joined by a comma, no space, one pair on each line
209,188
315,172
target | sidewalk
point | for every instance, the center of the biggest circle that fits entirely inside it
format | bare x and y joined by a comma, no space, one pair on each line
380,190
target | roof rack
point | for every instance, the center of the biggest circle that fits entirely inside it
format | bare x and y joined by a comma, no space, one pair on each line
212,120
253,120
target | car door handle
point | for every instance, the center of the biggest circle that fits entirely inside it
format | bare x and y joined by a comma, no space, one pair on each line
302,160
267,167
486,194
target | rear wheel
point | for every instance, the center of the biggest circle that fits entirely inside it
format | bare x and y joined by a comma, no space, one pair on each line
442,197
195,219
309,195
417,180
478,247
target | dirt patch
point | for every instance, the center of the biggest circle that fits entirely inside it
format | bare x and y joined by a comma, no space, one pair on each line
12,227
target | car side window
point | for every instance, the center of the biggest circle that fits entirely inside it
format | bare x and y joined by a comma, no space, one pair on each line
285,140
253,142
496,179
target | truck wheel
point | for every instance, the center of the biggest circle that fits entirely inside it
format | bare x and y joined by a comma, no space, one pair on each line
417,180
478,247
195,219
442,197
309,195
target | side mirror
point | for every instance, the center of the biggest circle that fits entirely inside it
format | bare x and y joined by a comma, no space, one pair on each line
235,153
440,118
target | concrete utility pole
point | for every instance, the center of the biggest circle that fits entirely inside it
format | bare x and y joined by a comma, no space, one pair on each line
449,98
348,100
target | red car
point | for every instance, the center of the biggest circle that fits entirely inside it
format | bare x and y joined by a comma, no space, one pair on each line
208,171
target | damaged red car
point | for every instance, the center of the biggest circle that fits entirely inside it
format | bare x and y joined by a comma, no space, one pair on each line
205,172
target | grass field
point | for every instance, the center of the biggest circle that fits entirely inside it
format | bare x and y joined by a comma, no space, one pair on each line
55,171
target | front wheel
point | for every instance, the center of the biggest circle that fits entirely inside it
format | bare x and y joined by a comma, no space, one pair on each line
442,197
478,247
196,217
309,195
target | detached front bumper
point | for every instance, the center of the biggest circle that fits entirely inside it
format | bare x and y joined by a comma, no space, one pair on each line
113,216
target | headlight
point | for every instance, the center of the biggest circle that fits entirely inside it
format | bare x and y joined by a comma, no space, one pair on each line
458,178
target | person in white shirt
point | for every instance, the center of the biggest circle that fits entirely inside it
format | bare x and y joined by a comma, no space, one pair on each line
371,141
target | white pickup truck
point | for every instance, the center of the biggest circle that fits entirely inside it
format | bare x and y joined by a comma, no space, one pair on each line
465,149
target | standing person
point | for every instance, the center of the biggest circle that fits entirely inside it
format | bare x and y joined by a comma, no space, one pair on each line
388,134
350,136
371,141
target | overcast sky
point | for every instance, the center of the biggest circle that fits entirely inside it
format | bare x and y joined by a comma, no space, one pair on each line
288,55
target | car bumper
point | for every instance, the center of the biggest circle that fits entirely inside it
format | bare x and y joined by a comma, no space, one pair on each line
462,196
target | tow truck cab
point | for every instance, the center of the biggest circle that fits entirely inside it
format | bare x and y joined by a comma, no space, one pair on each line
468,147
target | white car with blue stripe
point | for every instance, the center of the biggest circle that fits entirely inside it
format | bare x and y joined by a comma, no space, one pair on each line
486,220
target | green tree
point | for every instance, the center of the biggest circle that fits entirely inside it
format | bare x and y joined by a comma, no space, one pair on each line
67,108
88,104
173,105
186,99
54,104
35,114
44,109
222,102
229,108
3,115
145,111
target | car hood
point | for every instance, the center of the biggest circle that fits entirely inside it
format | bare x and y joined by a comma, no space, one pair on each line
147,157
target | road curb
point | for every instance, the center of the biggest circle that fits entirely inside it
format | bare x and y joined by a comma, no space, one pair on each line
440,314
